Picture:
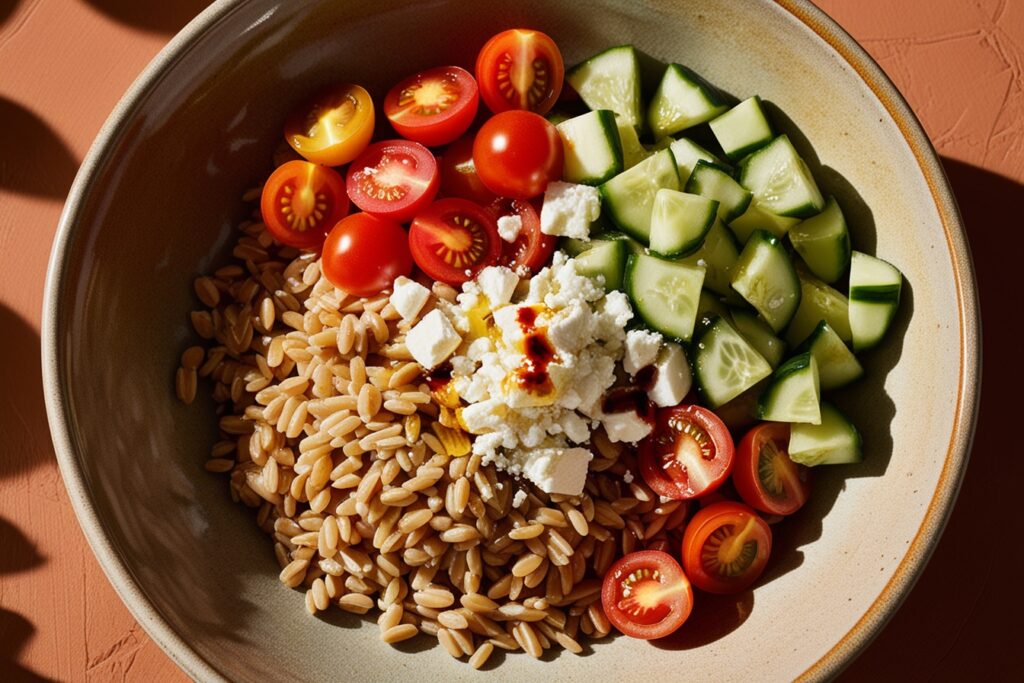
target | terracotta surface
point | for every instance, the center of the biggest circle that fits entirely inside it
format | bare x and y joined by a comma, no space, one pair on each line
960,65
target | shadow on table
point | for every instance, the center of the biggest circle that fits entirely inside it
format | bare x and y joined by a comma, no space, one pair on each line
35,161
167,17
961,621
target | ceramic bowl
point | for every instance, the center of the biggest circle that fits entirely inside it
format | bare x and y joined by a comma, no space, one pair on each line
154,205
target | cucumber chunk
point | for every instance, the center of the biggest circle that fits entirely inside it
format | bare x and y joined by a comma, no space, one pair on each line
679,221
874,297
665,294
837,366
793,393
687,154
818,302
760,335
683,99
717,255
833,442
632,151
592,150
764,276
611,80
604,262
725,364
716,182
743,129
629,196
823,242
781,181
756,218
710,304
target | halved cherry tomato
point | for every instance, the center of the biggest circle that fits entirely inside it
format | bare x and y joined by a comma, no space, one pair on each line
393,179
517,153
689,453
458,173
301,202
725,548
520,69
532,248
364,254
765,477
434,106
454,239
333,127
646,594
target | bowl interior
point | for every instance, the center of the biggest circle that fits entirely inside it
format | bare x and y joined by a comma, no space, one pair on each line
158,209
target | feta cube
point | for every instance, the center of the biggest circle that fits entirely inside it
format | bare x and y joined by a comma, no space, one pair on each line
673,380
626,427
509,227
432,340
571,328
409,297
484,416
569,209
558,470
519,498
641,350
497,283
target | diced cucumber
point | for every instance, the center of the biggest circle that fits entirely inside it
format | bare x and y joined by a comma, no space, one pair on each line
710,304
574,247
823,242
593,153
615,79
781,181
756,218
716,182
743,129
683,99
604,262
563,111
632,151
629,196
664,293
679,221
687,154
725,364
793,394
833,442
874,297
837,366
818,302
760,335
717,255
765,277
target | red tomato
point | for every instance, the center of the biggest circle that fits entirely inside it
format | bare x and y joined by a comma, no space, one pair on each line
434,106
646,594
725,548
301,202
393,179
520,69
517,153
765,477
458,173
689,453
333,127
532,248
364,254
454,239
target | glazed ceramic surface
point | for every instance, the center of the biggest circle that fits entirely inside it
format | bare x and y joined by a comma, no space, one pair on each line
154,205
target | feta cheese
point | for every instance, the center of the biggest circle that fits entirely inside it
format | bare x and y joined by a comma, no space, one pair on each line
673,380
558,470
626,427
432,340
571,327
641,350
409,297
497,283
509,227
519,498
569,209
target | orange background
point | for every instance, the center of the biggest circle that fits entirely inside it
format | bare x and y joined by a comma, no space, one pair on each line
64,64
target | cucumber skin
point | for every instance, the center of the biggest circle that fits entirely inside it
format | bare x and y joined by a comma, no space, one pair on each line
856,441
797,363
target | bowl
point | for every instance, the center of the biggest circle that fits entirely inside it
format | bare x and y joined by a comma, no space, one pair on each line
155,202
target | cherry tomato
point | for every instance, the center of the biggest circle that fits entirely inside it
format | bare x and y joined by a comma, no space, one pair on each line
434,106
364,254
532,248
458,173
517,153
646,594
454,239
333,127
301,202
393,179
765,477
725,548
689,453
520,69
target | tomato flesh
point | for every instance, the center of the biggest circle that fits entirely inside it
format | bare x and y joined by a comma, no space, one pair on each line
433,107
531,249
689,454
520,69
364,254
517,153
765,477
454,239
646,594
301,202
393,179
725,548
458,173
333,127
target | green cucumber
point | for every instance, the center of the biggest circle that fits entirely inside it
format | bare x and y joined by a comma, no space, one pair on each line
611,80
837,366
823,242
665,294
679,221
717,255
716,182
711,304
818,302
780,180
764,276
793,393
833,442
632,151
593,153
756,218
760,335
874,297
725,364
683,99
604,262
743,129
687,154
629,196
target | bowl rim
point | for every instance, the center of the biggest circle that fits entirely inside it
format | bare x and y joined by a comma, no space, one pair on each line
831,663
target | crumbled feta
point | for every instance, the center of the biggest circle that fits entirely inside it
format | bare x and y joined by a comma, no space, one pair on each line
627,477
627,426
641,350
519,498
497,283
673,379
569,209
432,340
558,470
409,297
509,227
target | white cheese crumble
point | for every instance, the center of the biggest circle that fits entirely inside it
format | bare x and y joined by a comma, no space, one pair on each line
408,297
641,350
519,498
509,227
673,380
432,340
569,209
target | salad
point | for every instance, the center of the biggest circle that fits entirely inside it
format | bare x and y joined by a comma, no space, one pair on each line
521,374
